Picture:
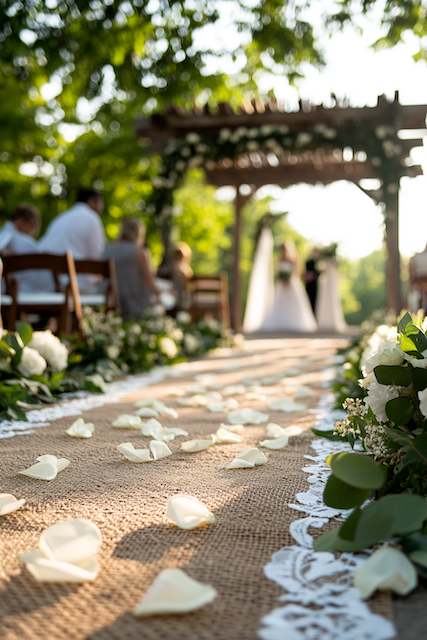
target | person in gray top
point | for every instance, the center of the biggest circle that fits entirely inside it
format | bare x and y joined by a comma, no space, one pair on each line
135,278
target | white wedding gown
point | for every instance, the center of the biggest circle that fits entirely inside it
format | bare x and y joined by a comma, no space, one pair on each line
281,307
329,312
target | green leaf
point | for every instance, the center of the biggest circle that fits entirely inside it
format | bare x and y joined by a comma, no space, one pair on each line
409,511
419,377
358,470
393,375
366,528
415,542
328,435
339,495
419,557
400,410
403,322
25,331
331,541
420,446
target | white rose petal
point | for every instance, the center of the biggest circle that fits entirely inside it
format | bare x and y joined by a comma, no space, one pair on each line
9,504
247,416
47,467
225,436
286,405
248,459
387,354
173,591
67,553
81,429
377,398
134,455
194,446
387,569
152,429
187,512
147,412
275,443
126,421
234,390
155,405
159,450
222,405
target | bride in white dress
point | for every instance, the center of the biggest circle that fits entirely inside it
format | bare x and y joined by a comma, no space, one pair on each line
283,306
329,313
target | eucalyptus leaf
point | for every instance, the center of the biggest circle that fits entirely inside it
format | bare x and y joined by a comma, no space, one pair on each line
358,470
331,541
328,435
404,321
339,495
400,410
419,377
393,375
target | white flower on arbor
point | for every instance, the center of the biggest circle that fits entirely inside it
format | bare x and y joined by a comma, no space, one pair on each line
9,504
172,592
32,363
51,349
47,467
81,429
188,512
247,416
387,569
248,459
67,552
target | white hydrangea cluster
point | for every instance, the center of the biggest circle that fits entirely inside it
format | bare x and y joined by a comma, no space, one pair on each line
168,347
32,363
378,396
191,343
383,335
52,350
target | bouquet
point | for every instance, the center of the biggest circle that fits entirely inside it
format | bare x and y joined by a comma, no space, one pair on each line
285,270
383,481
329,252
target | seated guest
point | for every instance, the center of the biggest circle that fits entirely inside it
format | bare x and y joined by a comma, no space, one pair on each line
16,238
182,274
135,279
78,230
17,235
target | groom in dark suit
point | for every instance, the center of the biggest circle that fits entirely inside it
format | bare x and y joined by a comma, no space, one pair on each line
311,277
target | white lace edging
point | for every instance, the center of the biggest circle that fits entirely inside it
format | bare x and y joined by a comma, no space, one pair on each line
320,602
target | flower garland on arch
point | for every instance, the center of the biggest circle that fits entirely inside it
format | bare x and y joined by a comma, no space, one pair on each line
204,150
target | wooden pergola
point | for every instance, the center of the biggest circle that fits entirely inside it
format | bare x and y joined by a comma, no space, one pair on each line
248,171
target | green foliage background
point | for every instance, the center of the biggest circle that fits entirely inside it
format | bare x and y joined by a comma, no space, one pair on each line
75,75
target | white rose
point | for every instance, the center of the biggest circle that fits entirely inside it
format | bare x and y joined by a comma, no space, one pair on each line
32,363
191,343
113,352
422,397
183,317
168,347
387,354
377,398
51,349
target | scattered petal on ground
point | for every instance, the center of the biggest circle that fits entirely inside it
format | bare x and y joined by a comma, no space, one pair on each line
187,512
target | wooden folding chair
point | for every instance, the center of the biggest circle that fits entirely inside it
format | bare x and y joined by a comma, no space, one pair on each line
107,291
62,303
209,297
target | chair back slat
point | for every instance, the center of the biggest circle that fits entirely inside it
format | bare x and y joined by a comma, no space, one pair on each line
105,269
209,296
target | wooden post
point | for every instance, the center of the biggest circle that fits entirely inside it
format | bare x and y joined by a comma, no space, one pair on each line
236,284
393,275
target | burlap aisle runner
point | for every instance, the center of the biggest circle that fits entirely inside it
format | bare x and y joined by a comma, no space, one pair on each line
127,502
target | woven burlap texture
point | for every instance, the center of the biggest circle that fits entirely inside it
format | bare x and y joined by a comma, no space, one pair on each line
128,501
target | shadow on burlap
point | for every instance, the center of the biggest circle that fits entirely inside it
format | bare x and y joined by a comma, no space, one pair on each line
128,502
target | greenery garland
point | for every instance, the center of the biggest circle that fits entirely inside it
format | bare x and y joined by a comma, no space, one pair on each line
204,150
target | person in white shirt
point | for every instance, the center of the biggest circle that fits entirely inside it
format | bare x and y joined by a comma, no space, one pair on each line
78,230
16,238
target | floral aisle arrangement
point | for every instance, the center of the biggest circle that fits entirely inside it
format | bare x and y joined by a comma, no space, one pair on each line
383,481
112,347
36,367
